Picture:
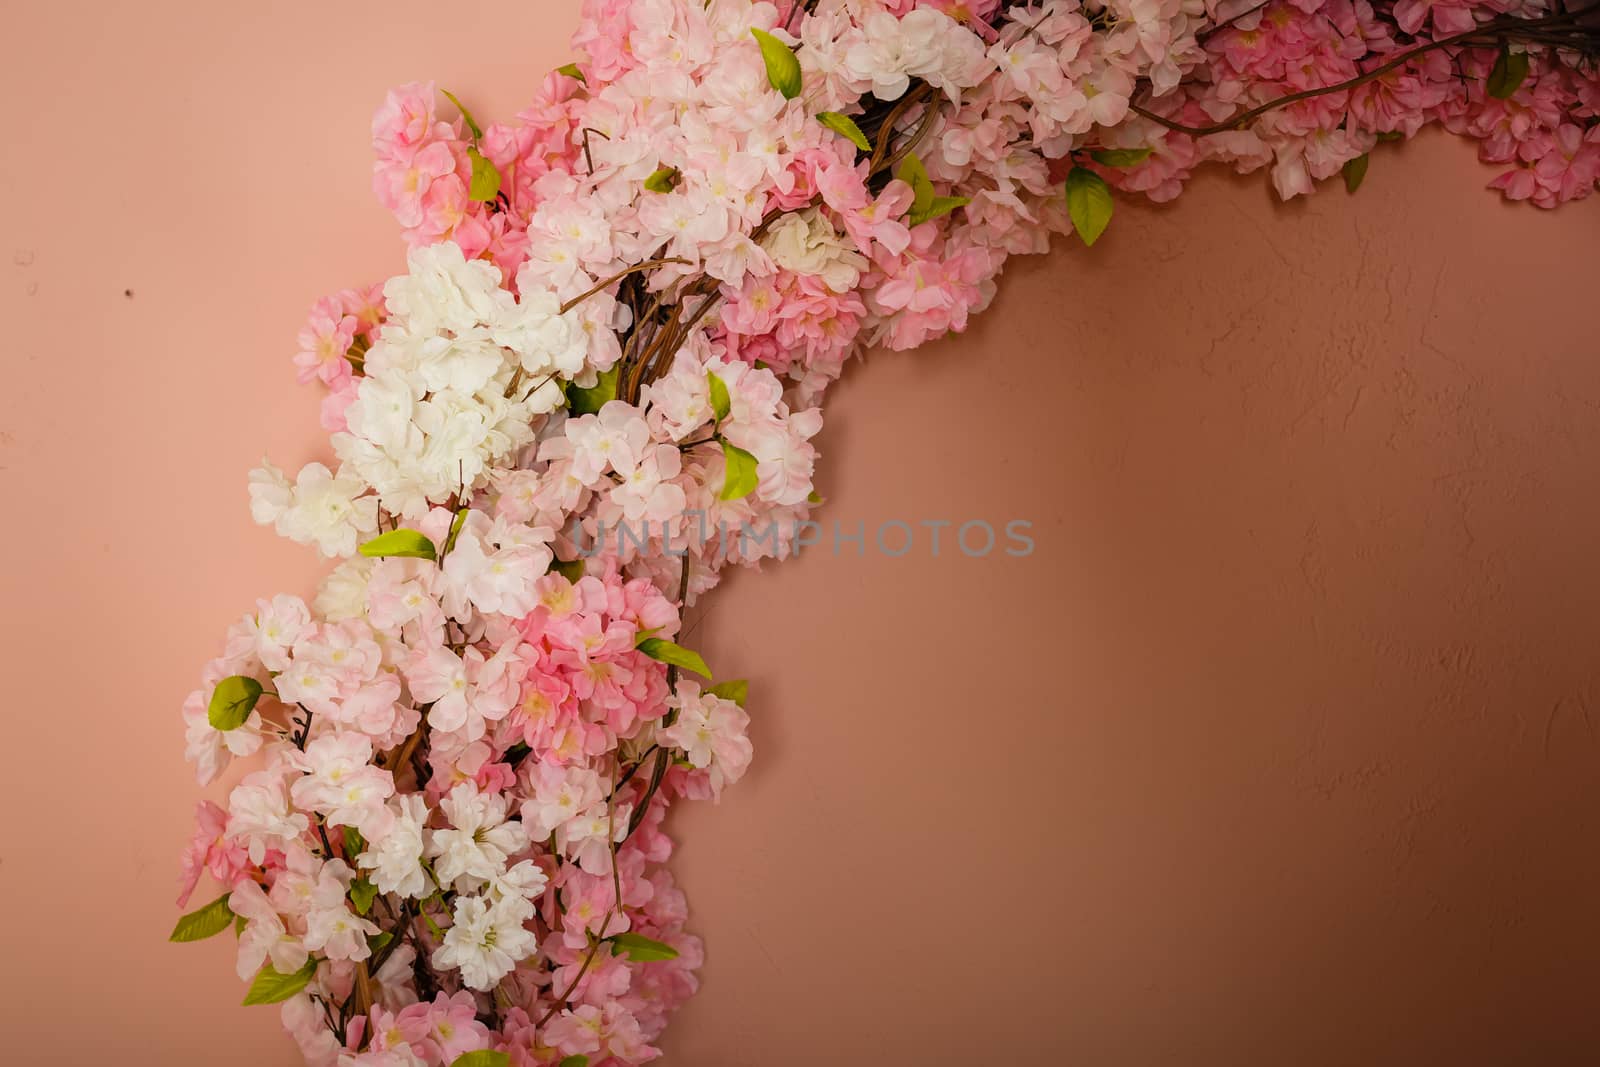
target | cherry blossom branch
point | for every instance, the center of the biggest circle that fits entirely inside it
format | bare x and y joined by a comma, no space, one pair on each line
1497,31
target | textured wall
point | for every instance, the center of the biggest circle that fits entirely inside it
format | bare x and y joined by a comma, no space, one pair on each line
1279,748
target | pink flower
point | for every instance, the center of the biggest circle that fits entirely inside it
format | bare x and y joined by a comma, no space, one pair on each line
404,121
324,341
403,182
211,849
450,1027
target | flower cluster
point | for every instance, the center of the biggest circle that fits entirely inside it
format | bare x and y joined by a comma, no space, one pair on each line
620,314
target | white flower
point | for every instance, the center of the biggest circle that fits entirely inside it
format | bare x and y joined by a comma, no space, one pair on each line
807,244
485,942
648,492
614,439
210,749
587,837
559,793
395,858
343,592
466,692
494,581
518,886
442,290
264,936
271,494
711,732
274,628
342,783
542,338
259,812
323,509
331,927
480,840
888,52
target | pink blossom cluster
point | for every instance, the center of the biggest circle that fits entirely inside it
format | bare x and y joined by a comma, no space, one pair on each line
444,841
1543,124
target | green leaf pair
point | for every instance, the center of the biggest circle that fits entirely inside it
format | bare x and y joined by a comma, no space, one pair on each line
925,203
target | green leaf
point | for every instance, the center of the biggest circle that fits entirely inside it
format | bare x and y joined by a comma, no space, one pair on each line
204,922
741,478
582,401
845,127
1120,157
571,70
735,690
659,648
813,497
408,543
379,941
1510,71
570,570
354,843
1089,203
239,923
232,700
662,180
1354,171
362,894
783,69
913,173
642,949
721,404
472,123
485,179
577,1059
1391,135
455,528
940,205
270,987
482,1058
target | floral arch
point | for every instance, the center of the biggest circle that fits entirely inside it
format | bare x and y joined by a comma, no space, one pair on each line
596,384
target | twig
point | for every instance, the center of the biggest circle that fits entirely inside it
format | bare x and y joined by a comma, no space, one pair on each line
648,264
1495,31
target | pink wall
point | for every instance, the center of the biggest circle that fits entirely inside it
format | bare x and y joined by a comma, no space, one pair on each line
1280,748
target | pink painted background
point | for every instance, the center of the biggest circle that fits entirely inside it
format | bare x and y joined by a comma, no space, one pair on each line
1280,748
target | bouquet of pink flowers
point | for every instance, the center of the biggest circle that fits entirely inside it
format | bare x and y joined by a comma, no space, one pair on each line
597,383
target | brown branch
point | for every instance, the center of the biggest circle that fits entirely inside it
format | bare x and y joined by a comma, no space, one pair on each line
649,264
1497,31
